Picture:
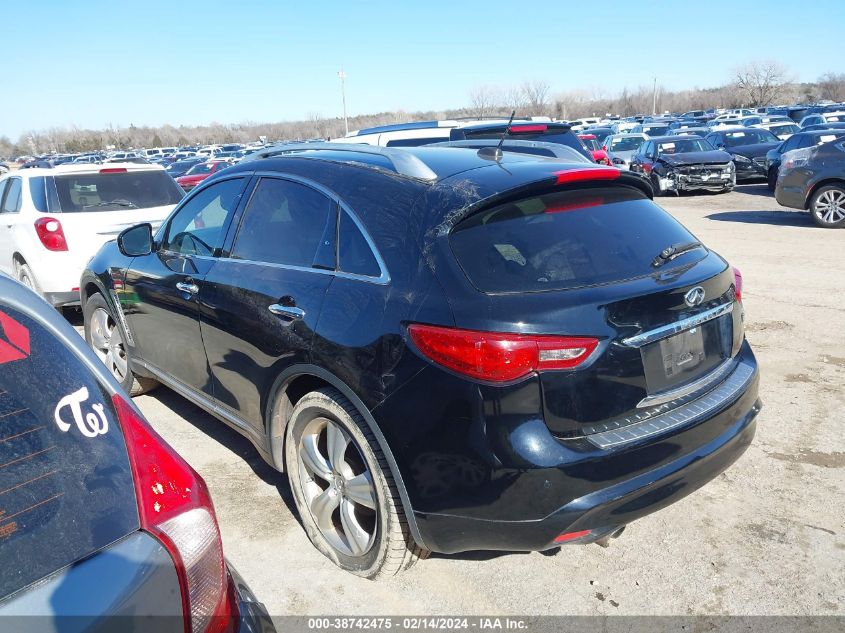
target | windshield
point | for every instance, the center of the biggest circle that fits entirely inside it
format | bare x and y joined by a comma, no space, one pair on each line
591,144
116,191
682,146
625,144
785,128
656,130
748,137
202,168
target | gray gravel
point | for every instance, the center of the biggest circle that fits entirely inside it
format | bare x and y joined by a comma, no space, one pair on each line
766,537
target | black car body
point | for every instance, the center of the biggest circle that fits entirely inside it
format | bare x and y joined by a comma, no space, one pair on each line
799,140
684,163
528,352
103,526
813,179
555,132
748,147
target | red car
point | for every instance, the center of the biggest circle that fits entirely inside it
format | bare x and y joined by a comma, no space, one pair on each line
200,172
591,143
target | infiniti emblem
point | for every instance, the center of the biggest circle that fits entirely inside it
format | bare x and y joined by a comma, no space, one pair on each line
694,296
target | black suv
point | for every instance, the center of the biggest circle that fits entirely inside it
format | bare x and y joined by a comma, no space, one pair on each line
446,349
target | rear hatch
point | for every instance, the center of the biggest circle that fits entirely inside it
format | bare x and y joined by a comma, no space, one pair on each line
598,261
97,205
66,488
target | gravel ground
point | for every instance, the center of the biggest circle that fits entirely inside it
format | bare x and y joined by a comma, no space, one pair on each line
766,537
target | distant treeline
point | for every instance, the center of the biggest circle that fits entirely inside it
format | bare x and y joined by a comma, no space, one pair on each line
755,84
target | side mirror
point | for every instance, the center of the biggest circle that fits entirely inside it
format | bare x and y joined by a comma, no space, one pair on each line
136,240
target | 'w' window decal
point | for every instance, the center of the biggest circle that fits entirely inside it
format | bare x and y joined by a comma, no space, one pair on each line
14,339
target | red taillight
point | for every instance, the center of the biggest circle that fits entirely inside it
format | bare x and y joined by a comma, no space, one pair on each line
585,175
571,536
527,129
738,284
113,170
175,507
49,231
497,356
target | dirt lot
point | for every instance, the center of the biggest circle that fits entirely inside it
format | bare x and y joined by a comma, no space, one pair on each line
766,537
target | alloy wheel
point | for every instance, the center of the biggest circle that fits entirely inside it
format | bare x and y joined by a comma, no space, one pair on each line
107,342
830,206
337,487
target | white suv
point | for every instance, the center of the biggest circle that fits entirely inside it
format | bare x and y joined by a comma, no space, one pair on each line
52,221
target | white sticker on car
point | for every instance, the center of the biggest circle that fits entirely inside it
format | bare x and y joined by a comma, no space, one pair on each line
89,424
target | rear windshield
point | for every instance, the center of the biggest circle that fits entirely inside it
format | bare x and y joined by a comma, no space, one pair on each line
549,135
116,191
625,144
566,240
65,485
748,137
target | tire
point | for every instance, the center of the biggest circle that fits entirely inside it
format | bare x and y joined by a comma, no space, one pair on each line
772,179
105,336
655,185
827,207
25,276
372,542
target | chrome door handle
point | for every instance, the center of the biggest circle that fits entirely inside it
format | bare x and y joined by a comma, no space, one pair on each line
190,288
289,312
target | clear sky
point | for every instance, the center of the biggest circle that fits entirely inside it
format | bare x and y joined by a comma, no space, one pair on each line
148,62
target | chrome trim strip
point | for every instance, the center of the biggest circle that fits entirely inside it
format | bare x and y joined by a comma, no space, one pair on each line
716,374
196,397
678,326
695,411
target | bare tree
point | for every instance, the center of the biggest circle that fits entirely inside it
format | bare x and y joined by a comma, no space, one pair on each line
535,96
832,86
760,82
483,100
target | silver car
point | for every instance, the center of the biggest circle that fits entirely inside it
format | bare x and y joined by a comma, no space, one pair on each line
621,147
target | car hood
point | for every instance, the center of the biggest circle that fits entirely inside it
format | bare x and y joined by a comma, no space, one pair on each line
695,158
752,151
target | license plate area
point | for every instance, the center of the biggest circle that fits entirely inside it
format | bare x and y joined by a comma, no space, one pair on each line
686,356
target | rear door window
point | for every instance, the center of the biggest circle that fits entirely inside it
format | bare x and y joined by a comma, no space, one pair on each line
66,488
287,223
566,240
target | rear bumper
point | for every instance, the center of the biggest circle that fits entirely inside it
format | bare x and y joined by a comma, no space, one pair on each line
597,490
792,188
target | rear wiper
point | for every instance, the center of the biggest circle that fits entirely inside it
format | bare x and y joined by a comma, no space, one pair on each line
676,250
116,203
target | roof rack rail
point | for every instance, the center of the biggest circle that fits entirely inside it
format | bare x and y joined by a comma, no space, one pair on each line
403,162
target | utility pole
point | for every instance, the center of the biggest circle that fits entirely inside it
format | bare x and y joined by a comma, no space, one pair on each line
342,76
654,99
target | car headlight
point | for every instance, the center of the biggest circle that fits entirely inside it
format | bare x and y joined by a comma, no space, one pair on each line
741,159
